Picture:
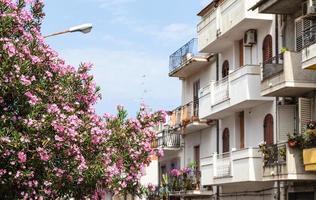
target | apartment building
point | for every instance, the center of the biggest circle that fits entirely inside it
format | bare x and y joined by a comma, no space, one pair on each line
249,78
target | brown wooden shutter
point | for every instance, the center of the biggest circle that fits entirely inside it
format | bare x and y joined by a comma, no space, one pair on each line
196,88
225,69
226,140
197,157
242,129
241,53
267,49
268,129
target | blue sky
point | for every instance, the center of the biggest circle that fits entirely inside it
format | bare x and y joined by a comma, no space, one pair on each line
129,46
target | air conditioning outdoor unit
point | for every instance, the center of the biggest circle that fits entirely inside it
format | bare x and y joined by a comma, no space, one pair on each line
250,37
309,8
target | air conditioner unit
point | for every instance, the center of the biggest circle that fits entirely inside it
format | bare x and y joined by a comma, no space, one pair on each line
250,37
309,8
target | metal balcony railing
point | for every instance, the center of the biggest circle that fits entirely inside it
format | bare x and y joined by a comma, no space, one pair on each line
178,58
185,114
272,66
309,36
275,154
169,139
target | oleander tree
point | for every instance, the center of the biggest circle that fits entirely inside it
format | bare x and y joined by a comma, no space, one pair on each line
52,142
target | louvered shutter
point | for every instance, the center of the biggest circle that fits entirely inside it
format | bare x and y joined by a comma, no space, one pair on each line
301,39
267,49
299,35
304,112
286,121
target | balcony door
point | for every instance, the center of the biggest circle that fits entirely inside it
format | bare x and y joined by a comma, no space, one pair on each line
242,129
268,129
267,50
196,88
225,140
241,53
225,69
197,157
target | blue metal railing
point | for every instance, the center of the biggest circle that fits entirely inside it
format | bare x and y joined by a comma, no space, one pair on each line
178,58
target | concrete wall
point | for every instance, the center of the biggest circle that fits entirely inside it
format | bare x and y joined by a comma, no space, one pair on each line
254,118
205,76
205,138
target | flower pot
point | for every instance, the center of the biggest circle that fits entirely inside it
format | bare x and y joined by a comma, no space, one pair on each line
309,159
292,143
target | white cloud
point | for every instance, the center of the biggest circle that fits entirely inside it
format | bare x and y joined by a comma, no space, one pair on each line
117,41
113,3
121,77
205,2
164,33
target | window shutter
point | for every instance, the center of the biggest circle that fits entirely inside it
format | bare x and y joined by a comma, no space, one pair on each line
304,112
286,121
299,35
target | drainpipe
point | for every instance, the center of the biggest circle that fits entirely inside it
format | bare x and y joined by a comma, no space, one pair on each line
217,150
217,122
217,68
277,100
277,38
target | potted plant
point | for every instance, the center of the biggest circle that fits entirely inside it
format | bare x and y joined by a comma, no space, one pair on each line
309,147
295,140
175,175
164,189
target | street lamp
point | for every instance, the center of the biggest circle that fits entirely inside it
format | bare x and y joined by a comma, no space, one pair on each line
83,28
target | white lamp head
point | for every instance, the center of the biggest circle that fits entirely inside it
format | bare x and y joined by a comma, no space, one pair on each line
84,28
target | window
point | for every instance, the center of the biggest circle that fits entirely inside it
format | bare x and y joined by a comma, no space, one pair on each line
225,69
197,157
267,49
226,140
196,88
268,129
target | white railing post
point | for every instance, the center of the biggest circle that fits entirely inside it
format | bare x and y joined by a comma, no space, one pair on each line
215,164
231,162
212,86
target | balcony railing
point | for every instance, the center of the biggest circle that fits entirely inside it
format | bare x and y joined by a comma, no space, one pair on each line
169,139
181,56
272,66
275,154
221,90
309,36
184,114
223,165
236,166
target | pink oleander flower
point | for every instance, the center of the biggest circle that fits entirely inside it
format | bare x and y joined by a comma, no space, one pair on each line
21,157
43,154
175,173
25,81
33,100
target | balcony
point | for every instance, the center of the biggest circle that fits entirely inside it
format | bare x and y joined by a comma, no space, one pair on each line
285,163
237,166
169,140
227,23
186,118
279,6
284,76
187,61
309,50
225,97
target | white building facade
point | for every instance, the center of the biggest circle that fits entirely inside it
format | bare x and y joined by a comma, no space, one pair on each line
248,78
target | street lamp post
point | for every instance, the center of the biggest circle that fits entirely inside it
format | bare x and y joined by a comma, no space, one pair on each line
83,28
